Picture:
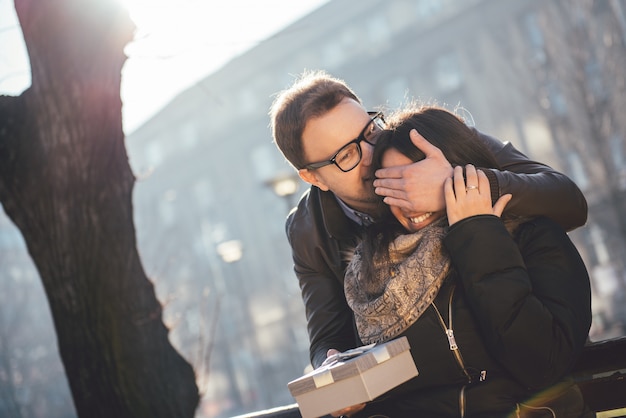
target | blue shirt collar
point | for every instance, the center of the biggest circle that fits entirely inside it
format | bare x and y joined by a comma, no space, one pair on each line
359,217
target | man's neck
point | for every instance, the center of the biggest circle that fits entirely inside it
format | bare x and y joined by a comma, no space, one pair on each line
356,215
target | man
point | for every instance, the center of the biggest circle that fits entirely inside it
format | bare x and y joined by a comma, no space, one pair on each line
322,129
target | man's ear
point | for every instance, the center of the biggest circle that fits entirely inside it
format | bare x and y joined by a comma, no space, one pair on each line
311,177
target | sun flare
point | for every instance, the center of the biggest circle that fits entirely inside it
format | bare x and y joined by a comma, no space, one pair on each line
177,43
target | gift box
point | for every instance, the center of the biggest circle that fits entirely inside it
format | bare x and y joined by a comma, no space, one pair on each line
353,377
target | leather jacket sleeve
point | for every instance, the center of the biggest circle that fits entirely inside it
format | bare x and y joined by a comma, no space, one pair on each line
537,189
531,298
319,266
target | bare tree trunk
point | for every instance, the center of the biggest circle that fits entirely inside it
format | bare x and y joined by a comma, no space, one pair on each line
66,183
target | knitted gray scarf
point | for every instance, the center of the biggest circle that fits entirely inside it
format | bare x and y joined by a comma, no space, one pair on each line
401,289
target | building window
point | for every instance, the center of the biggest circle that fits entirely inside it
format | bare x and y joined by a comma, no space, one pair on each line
425,9
448,75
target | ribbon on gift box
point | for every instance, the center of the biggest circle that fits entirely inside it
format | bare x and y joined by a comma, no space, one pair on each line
381,354
325,377
346,355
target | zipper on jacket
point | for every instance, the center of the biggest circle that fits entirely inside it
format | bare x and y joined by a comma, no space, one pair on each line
450,334
454,348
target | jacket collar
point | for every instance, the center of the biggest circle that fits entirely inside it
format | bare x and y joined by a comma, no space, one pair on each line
337,224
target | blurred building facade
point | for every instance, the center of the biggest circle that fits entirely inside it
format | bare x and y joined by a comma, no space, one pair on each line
547,76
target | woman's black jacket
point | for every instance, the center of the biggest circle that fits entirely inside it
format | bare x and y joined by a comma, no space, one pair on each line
518,309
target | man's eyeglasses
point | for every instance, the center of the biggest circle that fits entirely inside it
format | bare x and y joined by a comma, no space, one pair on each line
349,156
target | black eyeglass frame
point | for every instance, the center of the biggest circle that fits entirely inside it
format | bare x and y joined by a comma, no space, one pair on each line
333,160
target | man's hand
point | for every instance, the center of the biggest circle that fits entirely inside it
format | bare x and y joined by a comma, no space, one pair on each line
416,187
465,198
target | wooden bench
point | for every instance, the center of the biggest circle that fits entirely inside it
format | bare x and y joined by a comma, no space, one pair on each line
600,373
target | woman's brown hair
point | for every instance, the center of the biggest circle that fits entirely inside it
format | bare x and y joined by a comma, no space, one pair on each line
459,143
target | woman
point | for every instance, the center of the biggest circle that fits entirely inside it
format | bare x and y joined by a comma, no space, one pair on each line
496,310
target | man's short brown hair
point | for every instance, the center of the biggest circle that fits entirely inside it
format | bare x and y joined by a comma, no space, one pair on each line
312,95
